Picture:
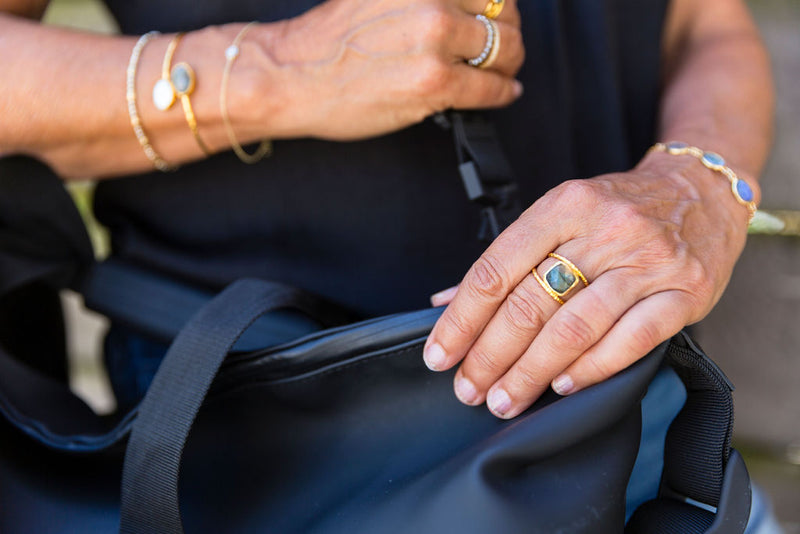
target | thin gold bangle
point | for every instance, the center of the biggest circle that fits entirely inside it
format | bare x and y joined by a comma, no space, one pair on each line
163,91
184,81
133,112
265,148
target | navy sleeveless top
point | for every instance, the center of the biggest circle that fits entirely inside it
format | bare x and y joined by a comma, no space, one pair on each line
379,225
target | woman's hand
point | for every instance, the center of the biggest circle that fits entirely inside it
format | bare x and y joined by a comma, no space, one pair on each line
657,245
358,68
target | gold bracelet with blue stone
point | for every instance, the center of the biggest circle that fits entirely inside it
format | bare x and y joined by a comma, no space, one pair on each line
741,190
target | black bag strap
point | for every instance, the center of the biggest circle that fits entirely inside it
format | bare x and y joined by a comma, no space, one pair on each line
153,456
717,477
485,171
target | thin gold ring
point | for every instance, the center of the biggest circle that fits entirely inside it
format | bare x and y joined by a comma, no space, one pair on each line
495,51
494,8
560,292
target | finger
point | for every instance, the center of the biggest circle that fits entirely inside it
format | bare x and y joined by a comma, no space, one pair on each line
508,335
490,279
443,298
509,14
646,325
499,269
471,40
573,330
481,89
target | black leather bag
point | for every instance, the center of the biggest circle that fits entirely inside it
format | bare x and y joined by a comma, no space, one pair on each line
345,430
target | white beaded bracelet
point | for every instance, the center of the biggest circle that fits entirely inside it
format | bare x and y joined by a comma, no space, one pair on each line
133,112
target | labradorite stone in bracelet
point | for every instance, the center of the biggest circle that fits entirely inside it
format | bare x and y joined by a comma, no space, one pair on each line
741,190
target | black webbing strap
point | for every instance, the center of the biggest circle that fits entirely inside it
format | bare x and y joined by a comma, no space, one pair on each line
159,307
485,171
706,424
697,456
153,456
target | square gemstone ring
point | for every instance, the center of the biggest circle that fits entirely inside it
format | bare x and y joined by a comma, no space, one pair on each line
560,278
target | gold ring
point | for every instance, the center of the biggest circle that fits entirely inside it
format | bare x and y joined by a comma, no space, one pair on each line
495,50
494,8
561,278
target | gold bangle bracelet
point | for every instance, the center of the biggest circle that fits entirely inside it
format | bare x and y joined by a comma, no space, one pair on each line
163,91
184,82
133,112
231,53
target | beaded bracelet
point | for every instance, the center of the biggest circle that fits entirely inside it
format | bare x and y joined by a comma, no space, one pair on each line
133,112
741,190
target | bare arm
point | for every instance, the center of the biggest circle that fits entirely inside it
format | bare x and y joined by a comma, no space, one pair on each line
344,70
718,85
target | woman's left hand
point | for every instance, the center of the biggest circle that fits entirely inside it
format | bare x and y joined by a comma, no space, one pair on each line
657,244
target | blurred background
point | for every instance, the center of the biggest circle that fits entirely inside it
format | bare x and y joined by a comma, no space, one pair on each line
754,332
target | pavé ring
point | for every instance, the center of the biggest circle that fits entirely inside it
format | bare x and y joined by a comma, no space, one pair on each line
491,47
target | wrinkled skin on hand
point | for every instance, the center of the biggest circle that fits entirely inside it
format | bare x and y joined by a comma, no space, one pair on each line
658,245
363,68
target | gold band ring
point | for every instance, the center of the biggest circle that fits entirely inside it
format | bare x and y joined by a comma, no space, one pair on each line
561,278
495,50
493,8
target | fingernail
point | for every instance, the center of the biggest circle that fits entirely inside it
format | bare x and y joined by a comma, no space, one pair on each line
518,89
434,357
499,402
466,391
563,385
444,297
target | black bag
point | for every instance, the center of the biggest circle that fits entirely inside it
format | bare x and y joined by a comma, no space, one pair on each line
345,430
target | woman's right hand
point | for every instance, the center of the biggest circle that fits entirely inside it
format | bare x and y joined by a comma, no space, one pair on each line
351,69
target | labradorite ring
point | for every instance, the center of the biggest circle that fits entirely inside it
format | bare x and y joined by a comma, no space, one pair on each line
561,278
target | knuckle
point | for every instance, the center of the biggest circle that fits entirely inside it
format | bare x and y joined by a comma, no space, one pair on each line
577,193
599,365
457,324
530,378
523,312
696,279
484,362
644,337
432,76
435,24
572,330
488,278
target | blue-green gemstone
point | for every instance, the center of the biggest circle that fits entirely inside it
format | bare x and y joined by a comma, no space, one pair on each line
713,160
744,191
677,146
560,278
181,79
